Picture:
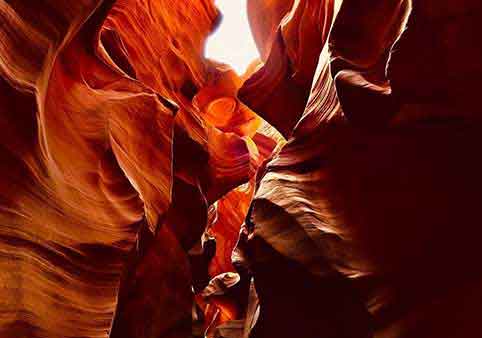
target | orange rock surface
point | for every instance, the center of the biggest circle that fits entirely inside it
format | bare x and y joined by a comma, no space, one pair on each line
330,191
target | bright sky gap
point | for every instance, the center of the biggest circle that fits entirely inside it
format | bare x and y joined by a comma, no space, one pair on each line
232,42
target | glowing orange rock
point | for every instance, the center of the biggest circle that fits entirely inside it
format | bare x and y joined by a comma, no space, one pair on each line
122,146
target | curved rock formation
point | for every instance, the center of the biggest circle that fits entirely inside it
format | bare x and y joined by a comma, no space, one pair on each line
331,191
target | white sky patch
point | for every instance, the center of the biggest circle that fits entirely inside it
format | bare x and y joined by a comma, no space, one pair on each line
232,42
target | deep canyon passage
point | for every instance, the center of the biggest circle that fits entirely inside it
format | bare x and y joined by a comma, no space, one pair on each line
323,180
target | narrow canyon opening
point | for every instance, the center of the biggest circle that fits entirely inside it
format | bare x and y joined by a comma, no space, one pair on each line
232,42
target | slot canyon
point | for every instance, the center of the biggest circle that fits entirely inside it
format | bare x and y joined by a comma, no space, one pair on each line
310,171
